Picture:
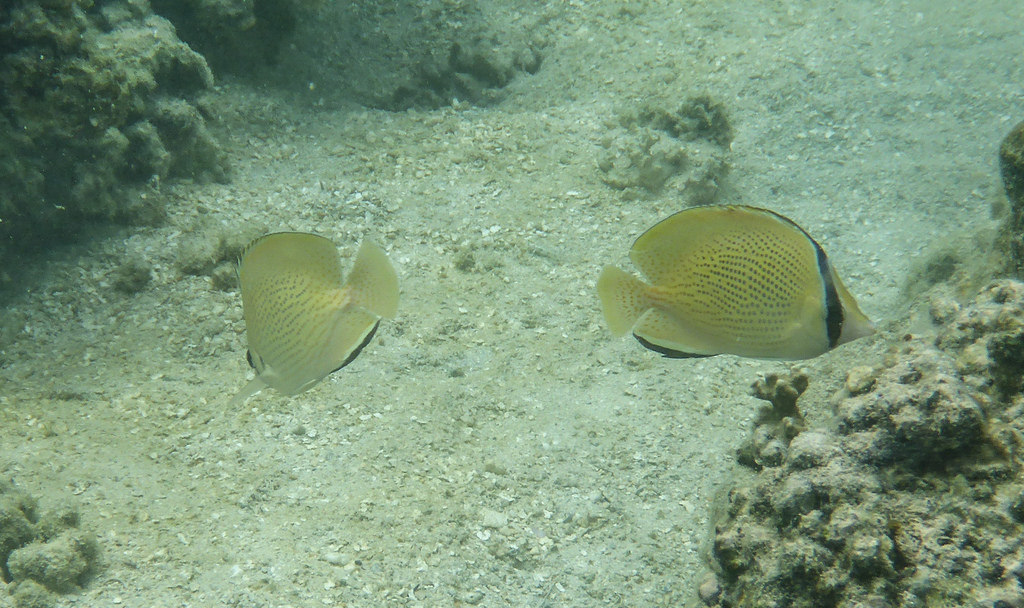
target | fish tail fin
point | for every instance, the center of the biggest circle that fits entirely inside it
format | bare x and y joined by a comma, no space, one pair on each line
623,299
373,281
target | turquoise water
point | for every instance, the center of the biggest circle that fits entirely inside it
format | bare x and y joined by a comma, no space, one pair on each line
493,445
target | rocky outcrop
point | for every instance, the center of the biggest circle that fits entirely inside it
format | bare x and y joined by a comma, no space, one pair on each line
912,497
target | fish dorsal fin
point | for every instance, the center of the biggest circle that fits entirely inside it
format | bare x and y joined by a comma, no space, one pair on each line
280,253
689,236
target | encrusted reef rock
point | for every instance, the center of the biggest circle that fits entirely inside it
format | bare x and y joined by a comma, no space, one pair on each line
654,148
988,338
389,55
474,70
1011,233
41,552
777,423
397,55
913,497
94,95
237,36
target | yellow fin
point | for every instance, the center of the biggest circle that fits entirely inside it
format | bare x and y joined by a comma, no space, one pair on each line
732,279
663,332
373,283
623,299
301,322
251,388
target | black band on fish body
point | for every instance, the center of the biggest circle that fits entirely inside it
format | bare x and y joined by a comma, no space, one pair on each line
833,307
255,361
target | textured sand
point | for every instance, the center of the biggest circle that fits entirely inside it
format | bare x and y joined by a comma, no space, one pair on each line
493,445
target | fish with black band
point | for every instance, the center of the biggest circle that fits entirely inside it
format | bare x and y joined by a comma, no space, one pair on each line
302,321
731,280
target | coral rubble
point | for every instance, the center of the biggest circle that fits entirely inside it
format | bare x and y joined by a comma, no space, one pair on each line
653,148
911,498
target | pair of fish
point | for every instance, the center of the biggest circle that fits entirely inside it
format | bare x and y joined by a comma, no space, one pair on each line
723,280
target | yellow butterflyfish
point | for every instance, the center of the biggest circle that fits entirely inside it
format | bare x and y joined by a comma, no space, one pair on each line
302,321
731,280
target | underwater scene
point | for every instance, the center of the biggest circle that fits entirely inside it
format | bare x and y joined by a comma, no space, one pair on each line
460,303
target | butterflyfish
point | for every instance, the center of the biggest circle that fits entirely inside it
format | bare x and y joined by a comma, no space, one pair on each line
302,321
731,280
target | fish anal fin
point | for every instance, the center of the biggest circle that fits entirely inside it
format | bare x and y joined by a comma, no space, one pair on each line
663,332
352,331
355,352
668,352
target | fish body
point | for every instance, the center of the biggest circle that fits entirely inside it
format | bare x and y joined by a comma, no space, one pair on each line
731,280
302,320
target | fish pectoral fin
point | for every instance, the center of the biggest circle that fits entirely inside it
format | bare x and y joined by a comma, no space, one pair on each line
251,388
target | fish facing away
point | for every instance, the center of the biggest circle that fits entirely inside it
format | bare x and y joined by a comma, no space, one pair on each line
731,280
302,321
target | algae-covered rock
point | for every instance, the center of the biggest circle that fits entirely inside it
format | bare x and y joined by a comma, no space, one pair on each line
209,247
132,276
1011,165
30,594
988,337
475,70
96,96
60,564
1011,233
236,36
391,55
17,522
910,497
686,147
920,412
42,550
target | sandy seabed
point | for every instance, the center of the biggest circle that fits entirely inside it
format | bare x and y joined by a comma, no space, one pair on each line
493,445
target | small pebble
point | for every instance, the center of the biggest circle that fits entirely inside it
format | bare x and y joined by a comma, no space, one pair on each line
494,468
493,519
335,559
860,379
710,591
